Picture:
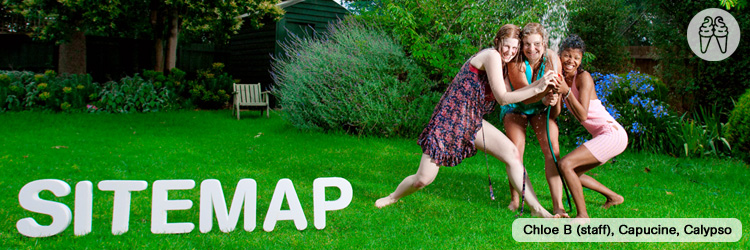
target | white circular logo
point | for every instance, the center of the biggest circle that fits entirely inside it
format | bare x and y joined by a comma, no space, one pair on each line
713,34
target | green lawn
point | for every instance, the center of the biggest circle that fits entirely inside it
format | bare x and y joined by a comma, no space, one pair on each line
455,212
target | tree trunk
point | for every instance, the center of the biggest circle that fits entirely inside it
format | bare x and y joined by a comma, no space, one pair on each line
174,32
157,23
73,55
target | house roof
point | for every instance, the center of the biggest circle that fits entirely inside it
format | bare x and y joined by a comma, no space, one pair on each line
288,3
282,4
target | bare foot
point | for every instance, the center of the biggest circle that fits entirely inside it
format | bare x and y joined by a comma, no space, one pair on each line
541,213
560,213
385,201
513,206
612,201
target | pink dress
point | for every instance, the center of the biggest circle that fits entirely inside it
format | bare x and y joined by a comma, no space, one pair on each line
610,138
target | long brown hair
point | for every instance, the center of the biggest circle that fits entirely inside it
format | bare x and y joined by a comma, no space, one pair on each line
505,32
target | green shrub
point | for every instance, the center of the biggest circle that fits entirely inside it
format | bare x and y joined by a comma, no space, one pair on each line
693,81
440,35
212,88
40,94
601,23
635,101
703,135
175,83
23,90
153,91
354,78
738,127
133,94
72,92
12,91
19,85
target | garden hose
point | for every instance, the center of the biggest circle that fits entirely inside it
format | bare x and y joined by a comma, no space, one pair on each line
492,192
487,161
523,191
565,187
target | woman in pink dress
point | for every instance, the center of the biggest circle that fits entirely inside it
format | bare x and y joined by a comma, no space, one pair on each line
609,137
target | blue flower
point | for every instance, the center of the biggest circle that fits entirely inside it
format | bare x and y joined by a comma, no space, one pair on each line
635,100
612,111
659,111
637,128
645,88
646,102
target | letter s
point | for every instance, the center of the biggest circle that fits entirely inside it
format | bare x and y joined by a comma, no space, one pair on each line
29,199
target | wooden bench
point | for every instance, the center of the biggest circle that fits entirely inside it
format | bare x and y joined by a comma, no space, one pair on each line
250,95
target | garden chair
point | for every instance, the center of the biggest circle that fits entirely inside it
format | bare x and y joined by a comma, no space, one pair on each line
250,95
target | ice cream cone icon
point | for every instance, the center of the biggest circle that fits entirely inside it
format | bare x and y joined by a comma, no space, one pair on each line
706,33
721,32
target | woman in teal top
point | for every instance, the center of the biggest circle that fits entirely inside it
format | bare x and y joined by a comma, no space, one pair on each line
522,108
534,62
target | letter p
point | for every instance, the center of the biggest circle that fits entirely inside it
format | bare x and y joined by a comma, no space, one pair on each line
320,205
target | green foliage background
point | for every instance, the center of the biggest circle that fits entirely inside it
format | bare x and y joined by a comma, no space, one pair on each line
738,127
442,35
354,78
211,21
148,92
693,81
601,25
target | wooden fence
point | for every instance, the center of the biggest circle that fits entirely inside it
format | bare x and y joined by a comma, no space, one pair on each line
106,58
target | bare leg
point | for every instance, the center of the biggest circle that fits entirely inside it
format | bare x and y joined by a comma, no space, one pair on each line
425,175
612,197
500,147
574,164
539,124
515,128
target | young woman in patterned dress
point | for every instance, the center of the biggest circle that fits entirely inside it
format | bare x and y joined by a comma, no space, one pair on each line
457,129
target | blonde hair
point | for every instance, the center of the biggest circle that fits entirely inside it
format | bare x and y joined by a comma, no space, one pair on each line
534,29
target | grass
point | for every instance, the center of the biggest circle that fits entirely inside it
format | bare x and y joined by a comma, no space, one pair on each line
455,212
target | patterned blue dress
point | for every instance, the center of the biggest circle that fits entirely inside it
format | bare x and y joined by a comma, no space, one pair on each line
449,136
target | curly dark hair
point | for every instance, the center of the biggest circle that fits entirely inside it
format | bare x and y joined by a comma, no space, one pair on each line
573,42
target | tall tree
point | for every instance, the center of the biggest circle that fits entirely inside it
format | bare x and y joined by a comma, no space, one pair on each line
208,21
441,34
67,22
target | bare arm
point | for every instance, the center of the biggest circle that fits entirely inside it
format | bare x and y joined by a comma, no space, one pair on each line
518,77
557,108
556,64
492,64
579,105
519,81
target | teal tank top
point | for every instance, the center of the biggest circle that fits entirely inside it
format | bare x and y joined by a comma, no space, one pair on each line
519,107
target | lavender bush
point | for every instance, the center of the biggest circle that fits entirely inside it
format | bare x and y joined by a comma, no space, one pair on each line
353,78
